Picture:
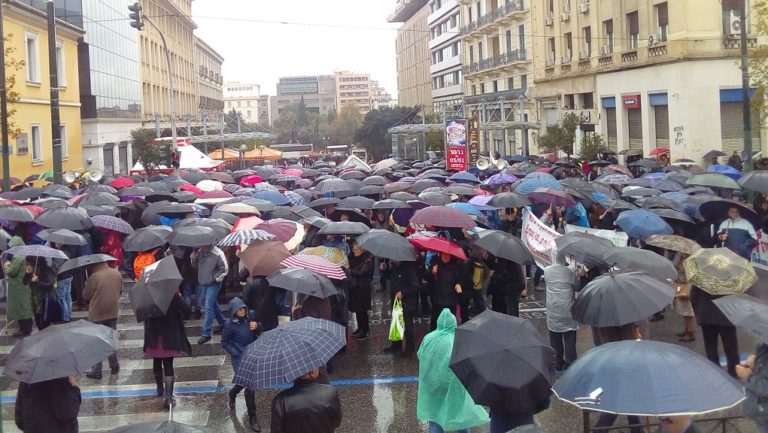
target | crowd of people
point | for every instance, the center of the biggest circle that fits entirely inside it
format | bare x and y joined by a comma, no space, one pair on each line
449,272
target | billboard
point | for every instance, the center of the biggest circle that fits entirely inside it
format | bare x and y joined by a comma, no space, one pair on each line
473,140
456,144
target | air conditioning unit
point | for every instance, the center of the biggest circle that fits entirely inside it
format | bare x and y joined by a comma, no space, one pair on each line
565,17
550,62
605,50
583,55
549,21
734,25
654,39
584,8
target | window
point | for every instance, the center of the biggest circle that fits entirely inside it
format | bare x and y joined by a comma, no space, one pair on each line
33,58
61,71
588,40
495,86
568,46
454,21
551,8
566,6
662,20
608,31
482,88
471,54
64,144
34,132
480,51
552,50
633,26
479,13
587,101
455,48
510,83
569,102
508,37
474,90
469,10
521,37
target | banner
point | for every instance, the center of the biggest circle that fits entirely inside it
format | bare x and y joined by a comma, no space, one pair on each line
760,252
539,239
456,144
619,239
473,140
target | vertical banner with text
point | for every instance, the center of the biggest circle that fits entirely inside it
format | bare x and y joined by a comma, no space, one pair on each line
473,140
456,144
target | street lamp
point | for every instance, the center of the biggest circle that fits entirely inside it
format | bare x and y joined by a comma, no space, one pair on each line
243,149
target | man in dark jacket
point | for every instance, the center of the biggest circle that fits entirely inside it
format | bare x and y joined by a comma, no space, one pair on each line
239,331
404,285
446,288
307,406
48,407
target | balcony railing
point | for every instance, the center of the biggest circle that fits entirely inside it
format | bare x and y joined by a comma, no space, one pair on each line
502,59
491,17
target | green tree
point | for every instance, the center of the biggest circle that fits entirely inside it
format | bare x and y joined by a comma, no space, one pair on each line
373,133
12,65
562,136
302,118
150,154
758,58
346,124
592,145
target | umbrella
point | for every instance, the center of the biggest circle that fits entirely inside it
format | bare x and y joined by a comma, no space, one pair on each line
16,213
83,261
441,216
397,186
221,177
584,248
272,196
509,200
388,245
391,204
385,163
71,218
635,259
305,212
147,238
665,380
245,237
756,180
237,208
403,196
194,176
669,185
158,427
334,255
26,194
645,163
671,214
420,185
208,185
289,351
746,312
315,264
636,191
69,349
122,182
192,236
713,180
220,228
435,198
112,223
503,362
324,201
302,281
344,228
719,271
439,245
504,245
673,243
374,190
356,202
62,236
599,163
464,177
615,179
246,223
36,251
460,189
727,170
712,154
465,207
212,197
530,184
641,223
618,299
552,197
264,257
717,210
154,291
284,230
333,187
58,191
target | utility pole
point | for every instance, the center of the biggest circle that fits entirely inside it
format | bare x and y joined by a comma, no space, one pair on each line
205,133
745,99
524,135
221,137
53,68
4,110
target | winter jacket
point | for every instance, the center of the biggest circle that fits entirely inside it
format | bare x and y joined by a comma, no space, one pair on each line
361,276
441,397
508,278
211,266
43,293
169,327
562,284
705,309
756,404
310,306
103,289
260,297
404,278
19,293
444,284
113,246
307,406
47,407
236,335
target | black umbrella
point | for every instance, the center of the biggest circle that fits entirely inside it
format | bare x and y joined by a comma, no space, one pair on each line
356,202
435,198
305,211
147,238
83,261
62,236
599,163
371,190
225,216
717,210
504,245
671,214
712,154
635,259
4,239
97,198
192,236
160,196
645,163
344,228
388,245
26,194
103,209
194,177
71,218
136,190
184,196
460,189
619,299
746,312
584,248
302,281
154,291
158,427
220,228
58,191
51,202
324,201
503,362
403,196
421,185
391,204
509,200
16,213
756,180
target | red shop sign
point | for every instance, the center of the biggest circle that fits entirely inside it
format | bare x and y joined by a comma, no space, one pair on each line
631,101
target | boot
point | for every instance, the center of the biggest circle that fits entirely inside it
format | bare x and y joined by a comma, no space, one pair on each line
232,394
250,404
169,400
159,383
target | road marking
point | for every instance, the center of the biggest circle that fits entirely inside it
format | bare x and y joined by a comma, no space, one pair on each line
128,366
107,422
122,344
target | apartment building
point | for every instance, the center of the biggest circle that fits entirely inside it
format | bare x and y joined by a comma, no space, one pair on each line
644,73
414,82
317,91
353,89
497,69
444,21
243,98
210,92
380,97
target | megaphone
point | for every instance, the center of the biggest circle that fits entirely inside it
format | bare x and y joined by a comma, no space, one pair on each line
69,176
93,175
483,163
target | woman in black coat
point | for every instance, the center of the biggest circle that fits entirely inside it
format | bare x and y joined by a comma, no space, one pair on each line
51,406
448,282
260,297
506,285
164,340
713,324
361,275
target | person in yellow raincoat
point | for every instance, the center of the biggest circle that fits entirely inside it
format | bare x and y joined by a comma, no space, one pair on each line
442,399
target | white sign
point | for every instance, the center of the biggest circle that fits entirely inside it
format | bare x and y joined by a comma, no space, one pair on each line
760,252
539,239
618,239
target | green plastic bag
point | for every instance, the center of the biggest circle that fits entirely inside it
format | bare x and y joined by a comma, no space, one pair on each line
397,327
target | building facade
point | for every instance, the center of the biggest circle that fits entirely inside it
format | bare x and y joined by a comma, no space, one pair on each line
380,98
210,91
444,21
265,110
414,84
645,73
32,149
497,69
353,89
317,91
244,99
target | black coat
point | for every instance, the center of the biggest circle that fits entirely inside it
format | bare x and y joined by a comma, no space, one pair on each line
170,327
307,406
260,297
444,283
508,278
403,277
361,276
705,309
48,407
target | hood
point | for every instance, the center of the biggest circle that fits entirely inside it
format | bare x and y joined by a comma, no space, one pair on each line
446,322
234,305
16,241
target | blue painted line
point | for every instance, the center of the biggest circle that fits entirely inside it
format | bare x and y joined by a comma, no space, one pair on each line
724,362
88,395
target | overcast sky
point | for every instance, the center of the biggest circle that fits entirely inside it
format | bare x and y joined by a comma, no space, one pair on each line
339,35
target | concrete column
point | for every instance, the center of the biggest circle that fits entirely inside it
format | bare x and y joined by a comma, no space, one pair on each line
649,133
622,125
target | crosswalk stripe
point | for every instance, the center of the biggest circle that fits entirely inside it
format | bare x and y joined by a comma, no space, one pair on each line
128,366
105,422
122,344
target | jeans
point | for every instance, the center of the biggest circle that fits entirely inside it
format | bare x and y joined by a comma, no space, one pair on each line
187,290
608,419
113,363
730,345
64,293
435,428
211,293
564,344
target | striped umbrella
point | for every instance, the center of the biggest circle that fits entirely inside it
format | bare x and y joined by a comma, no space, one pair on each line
316,264
530,184
245,237
112,223
334,255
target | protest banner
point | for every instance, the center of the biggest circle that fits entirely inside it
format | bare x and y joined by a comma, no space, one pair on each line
539,239
618,239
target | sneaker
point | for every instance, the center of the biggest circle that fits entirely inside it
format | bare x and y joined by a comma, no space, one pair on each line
203,340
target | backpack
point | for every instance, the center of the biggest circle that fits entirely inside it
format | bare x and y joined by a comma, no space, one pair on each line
143,260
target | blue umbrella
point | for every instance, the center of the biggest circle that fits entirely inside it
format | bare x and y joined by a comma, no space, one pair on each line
726,170
465,207
464,177
272,196
655,175
641,223
530,184
665,379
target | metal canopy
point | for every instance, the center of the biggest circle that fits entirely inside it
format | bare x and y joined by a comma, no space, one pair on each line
232,137
417,128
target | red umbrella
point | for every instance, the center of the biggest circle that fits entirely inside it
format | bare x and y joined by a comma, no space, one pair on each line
284,230
35,210
248,223
191,188
440,245
293,172
250,180
122,182
441,216
658,151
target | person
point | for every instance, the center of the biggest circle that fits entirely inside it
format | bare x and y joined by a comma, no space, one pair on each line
190,285
677,424
754,373
64,281
42,283
51,406
506,285
447,287
240,330
682,302
211,267
113,246
715,324
361,275
511,415
164,340
307,406
442,400
260,297
735,161
737,234
19,306
576,215
103,289
562,285
404,285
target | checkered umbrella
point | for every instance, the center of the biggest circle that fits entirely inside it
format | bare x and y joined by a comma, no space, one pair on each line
441,216
112,223
335,187
294,198
245,237
36,251
315,264
291,350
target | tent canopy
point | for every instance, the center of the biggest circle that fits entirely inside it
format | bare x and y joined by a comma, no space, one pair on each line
231,154
356,163
190,158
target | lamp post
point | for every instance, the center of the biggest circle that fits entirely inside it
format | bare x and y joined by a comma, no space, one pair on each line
243,149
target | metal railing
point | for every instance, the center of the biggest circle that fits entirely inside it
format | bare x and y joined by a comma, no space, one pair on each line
492,62
490,17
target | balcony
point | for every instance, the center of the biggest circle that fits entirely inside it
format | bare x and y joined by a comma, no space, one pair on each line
492,17
507,58
443,38
445,64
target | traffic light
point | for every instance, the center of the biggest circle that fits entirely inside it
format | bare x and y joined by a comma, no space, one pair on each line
136,21
175,158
